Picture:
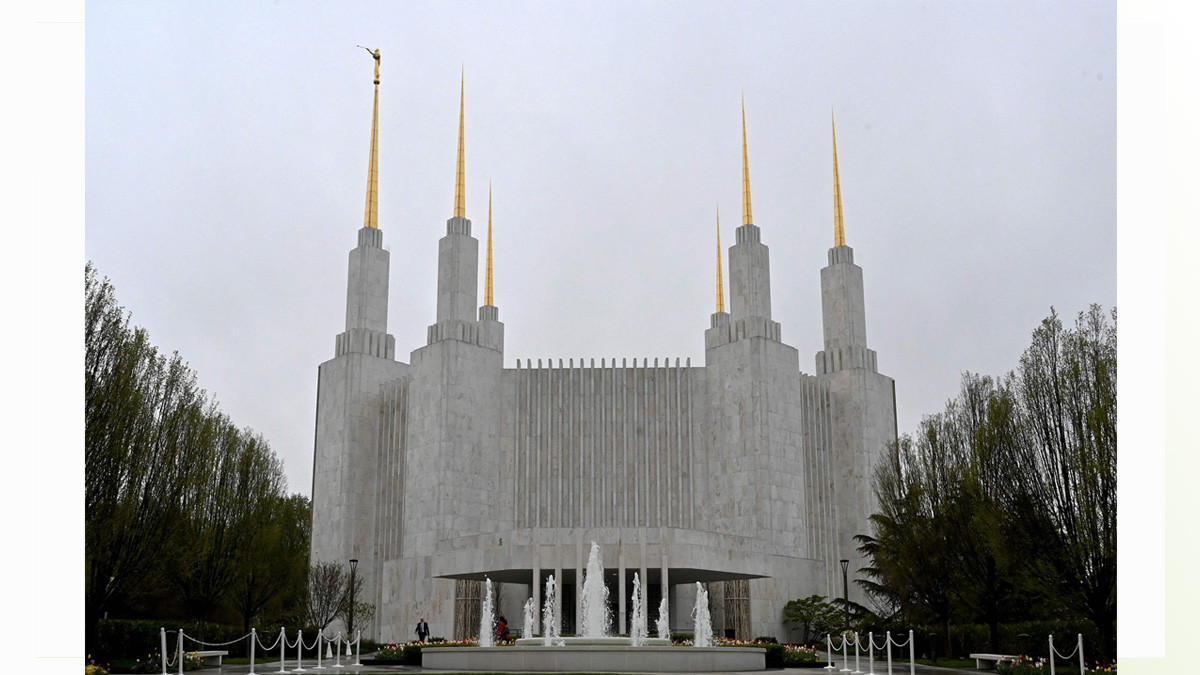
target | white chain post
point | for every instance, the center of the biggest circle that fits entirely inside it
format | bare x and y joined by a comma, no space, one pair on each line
857,670
282,644
253,644
1081,670
828,652
180,643
320,634
889,648
871,651
299,654
845,656
162,633
1052,654
339,650
912,654
358,649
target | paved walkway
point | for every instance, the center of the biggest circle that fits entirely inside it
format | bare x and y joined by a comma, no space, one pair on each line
311,669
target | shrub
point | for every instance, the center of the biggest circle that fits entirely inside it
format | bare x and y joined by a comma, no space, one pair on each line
117,638
775,653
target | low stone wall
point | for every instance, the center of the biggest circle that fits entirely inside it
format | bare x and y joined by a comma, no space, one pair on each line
583,658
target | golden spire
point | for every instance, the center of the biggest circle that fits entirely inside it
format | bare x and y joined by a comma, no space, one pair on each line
839,233
371,216
747,216
460,181
720,275
487,283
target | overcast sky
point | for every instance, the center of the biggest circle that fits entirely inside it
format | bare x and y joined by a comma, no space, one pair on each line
227,143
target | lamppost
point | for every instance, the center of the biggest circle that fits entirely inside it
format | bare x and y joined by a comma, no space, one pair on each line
846,593
350,620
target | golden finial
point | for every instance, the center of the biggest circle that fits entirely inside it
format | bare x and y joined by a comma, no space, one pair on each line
376,55
839,233
747,216
487,284
371,215
720,274
460,181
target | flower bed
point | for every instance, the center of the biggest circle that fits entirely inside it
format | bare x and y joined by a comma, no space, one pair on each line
1026,665
800,656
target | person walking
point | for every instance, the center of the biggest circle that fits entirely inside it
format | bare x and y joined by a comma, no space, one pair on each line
422,630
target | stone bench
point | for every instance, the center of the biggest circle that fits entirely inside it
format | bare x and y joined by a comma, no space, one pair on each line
209,658
990,661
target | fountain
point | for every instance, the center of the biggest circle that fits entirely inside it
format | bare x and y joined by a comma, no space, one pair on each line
487,632
549,620
527,628
595,649
702,633
664,621
595,597
595,613
637,631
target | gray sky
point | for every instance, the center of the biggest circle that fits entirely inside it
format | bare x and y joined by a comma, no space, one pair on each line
226,157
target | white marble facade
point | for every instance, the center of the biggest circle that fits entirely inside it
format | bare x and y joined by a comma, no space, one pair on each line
453,466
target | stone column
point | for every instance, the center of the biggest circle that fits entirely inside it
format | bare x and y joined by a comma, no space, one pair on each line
558,592
666,586
621,628
579,584
645,589
537,591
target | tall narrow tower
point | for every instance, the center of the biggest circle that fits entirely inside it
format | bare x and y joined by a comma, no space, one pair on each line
348,386
752,387
452,436
367,287
458,254
865,400
750,266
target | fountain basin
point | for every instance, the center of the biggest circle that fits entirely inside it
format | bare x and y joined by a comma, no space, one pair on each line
594,641
608,658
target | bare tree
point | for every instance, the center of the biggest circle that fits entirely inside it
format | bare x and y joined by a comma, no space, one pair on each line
327,593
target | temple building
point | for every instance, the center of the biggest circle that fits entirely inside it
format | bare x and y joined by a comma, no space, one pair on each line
742,472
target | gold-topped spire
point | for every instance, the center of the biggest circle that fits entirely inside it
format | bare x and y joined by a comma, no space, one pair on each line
720,274
747,215
487,283
460,181
839,233
371,214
